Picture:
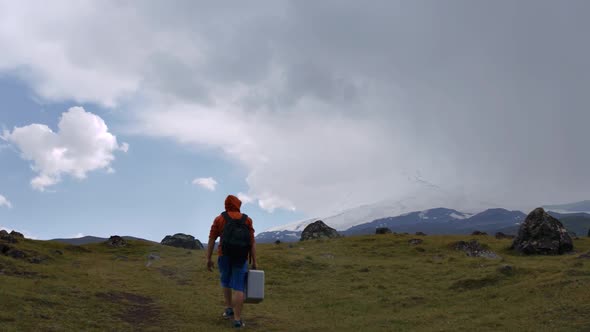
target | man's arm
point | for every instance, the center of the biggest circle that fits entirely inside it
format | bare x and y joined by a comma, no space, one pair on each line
253,254
213,235
253,246
210,248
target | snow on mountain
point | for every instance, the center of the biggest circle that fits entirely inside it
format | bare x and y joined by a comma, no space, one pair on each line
296,226
461,215
390,208
425,196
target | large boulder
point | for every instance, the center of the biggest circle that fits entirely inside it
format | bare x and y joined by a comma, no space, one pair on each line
318,230
542,234
5,236
17,235
11,237
181,240
382,230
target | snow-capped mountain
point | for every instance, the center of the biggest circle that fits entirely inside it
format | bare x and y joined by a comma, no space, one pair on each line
367,213
411,215
341,221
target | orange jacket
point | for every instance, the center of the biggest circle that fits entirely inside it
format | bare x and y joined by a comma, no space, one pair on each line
232,207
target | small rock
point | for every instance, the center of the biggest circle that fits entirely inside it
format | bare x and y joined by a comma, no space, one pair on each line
420,234
585,255
121,258
116,241
506,269
415,241
18,254
364,269
58,252
474,249
153,257
36,260
4,248
277,242
382,230
479,233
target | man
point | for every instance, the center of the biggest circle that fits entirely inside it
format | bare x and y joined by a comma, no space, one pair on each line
233,265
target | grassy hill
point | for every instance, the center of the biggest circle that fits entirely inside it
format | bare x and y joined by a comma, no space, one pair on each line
92,239
366,283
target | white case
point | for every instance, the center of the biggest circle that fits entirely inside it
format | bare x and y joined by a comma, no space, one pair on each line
254,286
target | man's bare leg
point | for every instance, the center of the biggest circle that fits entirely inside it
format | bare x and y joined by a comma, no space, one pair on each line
238,302
227,297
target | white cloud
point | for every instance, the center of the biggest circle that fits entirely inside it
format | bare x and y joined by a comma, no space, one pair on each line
245,198
207,183
124,147
324,115
78,235
81,145
4,202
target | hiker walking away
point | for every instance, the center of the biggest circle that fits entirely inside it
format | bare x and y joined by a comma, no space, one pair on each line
236,244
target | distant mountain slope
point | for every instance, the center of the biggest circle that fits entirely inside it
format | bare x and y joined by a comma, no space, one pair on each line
410,215
341,221
578,223
423,221
490,221
443,221
93,239
582,206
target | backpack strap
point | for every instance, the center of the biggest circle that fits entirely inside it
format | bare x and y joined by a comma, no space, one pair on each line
228,218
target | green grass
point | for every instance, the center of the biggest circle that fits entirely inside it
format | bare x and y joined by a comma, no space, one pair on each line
368,283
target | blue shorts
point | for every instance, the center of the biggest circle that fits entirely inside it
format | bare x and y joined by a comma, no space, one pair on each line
233,277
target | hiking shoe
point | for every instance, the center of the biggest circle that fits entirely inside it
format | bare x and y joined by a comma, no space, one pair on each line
228,313
238,324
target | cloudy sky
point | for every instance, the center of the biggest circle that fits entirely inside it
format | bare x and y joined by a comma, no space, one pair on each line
140,117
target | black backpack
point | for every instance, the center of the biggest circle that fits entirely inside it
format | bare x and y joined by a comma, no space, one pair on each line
235,239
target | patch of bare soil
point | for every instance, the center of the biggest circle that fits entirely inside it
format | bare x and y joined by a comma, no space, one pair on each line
139,309
174,274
